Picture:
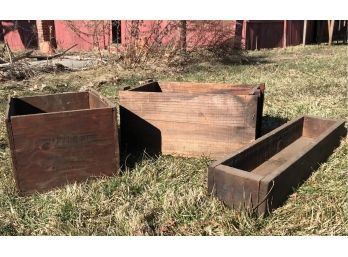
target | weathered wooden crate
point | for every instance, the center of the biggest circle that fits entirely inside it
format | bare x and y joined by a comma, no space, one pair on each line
61,138
190,119
260,176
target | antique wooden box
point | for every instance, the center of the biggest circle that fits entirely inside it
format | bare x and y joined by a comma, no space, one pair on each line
190,119
261,175
61,138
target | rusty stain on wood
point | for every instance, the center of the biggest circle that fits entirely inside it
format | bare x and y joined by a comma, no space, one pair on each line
62,138
260,176
190,119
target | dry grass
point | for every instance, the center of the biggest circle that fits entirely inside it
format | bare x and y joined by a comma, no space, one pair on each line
167,195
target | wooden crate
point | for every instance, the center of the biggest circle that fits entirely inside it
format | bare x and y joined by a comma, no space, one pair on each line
61,138
190,119
260,176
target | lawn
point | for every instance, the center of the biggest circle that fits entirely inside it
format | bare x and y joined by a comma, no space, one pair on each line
168,195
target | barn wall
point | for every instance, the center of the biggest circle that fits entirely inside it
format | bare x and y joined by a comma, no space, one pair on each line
86,34
20,34
252,34
199,33
205,33
264,34
294,33
318,31
270,34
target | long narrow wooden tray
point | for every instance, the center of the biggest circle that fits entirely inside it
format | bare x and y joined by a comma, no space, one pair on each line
261,175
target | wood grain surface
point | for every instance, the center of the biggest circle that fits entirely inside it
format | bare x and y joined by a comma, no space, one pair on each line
191,119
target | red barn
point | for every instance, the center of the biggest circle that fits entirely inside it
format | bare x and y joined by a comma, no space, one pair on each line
88,35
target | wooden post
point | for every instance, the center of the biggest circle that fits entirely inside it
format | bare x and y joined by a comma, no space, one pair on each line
346,34
284,33
331,25
304,32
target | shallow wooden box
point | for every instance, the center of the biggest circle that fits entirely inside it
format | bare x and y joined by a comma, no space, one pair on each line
61,138
190,119
261,175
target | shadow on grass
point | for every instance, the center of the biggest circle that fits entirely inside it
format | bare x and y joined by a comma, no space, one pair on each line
130,159
3,144
256,60
212,66
270,123
139,139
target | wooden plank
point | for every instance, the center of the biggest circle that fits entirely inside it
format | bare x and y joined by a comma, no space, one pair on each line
186,139
98,101
282,156
148,87
218,108
50,103
197,87
236,188
280,161
11,143
314,127
251,156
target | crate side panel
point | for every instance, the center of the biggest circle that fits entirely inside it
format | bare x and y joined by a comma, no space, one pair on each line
313,127
235,188
196,87
11,144
203,109
148,87
195,140
265,148
187,124
138,134
260,102
96,102
53,149
51,103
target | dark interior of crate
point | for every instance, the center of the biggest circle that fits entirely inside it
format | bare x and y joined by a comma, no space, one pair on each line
187,87
266,155
54,103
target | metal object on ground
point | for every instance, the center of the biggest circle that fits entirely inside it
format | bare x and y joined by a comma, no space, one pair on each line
61,138
190,119
260,176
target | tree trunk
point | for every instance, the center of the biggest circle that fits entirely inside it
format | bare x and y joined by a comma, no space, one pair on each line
182,40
